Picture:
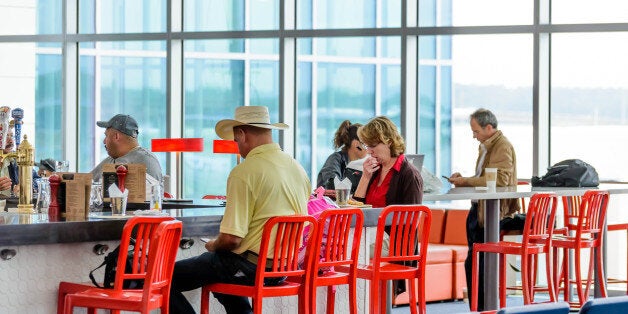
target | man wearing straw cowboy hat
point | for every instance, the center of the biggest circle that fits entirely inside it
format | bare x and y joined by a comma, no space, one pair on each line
268,183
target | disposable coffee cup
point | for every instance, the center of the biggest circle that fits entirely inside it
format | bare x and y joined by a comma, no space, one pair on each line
491,178
342,196
118,206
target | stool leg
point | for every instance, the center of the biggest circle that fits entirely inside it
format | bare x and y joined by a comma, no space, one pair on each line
474,282
502,280
600,271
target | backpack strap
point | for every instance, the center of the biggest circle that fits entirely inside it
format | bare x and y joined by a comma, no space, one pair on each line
91,274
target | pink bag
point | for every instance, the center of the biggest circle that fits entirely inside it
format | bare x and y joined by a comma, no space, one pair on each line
315,206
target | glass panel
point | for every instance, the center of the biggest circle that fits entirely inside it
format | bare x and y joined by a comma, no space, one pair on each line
476,12
391,93
427,114
230,15
343,88
30,77
344,92
120,16
590,100
304,116
346,46
30,17
492,72
341,14
215,84
586,11
113,81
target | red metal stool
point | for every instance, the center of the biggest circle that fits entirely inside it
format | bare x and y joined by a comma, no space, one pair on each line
537,239
586,232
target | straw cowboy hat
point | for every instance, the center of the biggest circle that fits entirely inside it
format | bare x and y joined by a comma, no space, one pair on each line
256,116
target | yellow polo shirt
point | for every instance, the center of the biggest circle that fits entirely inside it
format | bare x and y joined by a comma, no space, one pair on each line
267,183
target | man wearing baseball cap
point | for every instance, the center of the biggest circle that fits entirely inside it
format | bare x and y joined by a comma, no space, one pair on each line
122,147
268,183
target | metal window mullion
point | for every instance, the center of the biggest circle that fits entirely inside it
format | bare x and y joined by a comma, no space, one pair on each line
69,98
174,92
287,76
541,87
409,76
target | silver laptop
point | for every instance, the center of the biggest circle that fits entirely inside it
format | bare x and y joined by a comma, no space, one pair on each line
416,160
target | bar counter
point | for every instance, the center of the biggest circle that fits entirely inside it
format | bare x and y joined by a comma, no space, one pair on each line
25,229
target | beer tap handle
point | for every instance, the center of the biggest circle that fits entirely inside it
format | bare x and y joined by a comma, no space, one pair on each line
4,125
18,115
53,209
121,171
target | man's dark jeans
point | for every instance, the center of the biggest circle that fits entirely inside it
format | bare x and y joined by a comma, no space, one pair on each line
212,267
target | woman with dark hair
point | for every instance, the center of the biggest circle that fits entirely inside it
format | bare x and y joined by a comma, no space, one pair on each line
348,148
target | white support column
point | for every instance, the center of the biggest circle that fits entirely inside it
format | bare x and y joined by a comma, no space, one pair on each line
69,94
174,95
287,76
541,108
409,78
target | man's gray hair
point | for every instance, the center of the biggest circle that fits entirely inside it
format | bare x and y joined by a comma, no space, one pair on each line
484,117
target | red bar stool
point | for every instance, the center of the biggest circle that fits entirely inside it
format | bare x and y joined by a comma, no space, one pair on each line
331,252
143,228
537,239
279,239
409,233
585,233
155,270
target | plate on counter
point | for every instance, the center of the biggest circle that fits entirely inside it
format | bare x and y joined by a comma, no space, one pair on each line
356,206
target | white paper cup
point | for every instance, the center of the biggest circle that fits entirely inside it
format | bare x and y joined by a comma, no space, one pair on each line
342,196
491,178
118,206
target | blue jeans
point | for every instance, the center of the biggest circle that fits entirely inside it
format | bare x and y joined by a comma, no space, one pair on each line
212,267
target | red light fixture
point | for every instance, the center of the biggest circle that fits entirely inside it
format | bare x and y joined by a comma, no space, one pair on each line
178,146
226,147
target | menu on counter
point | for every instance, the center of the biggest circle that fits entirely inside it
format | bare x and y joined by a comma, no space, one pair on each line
135,181
74,194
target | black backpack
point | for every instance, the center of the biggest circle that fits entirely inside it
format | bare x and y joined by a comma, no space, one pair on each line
111,263
568,173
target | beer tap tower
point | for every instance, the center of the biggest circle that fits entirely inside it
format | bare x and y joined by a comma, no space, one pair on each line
24,156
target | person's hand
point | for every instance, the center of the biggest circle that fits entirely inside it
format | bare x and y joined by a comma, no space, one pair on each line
369,167
5,183
458,180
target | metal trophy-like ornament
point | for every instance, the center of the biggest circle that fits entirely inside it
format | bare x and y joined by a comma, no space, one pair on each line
24,155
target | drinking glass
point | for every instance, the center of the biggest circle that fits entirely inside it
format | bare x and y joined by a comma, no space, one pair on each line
95,197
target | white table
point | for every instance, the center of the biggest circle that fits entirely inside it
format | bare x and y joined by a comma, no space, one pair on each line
491,222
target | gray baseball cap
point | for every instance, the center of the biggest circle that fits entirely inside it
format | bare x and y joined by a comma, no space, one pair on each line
121,122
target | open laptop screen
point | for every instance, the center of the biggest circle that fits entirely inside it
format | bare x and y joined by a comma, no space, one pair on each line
416,160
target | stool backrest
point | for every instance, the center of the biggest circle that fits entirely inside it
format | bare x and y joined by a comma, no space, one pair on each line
281,240
138,232
592,213
409,232
161,259
335,236
539,224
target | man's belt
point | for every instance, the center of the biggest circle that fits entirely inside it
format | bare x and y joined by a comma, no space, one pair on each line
253,258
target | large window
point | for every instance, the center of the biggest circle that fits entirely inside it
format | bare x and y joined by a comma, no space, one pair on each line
590,100
120,77
180,66
492,72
